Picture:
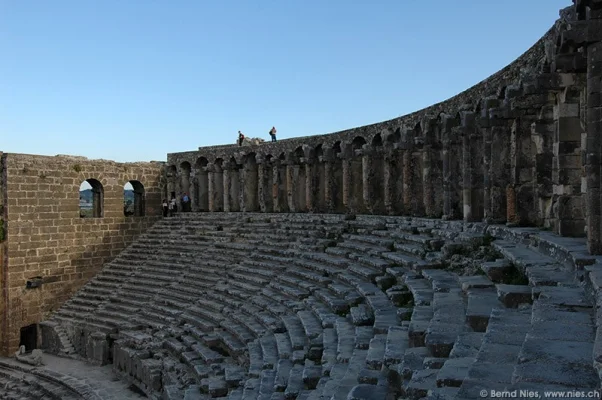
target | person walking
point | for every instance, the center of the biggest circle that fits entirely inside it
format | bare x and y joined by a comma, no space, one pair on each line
241,138
273,133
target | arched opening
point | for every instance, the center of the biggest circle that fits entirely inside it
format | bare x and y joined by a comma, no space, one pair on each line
200,195
91,196
133,199
29,337
394,137
356,193
377,140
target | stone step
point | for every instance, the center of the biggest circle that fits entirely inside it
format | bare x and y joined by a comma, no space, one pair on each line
413,361
396,343
467,344
420,383
480,304
514,295
376,352
345,340
497,270
421,289
454,371
522,256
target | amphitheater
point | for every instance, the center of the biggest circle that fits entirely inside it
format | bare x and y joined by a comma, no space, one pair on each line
453,253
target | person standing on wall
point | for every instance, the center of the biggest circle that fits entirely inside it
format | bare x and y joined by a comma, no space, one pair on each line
241,138
273,133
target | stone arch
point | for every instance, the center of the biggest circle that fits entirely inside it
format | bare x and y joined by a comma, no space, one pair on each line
392,137
134,201
377,140
91,199
200,195
356,183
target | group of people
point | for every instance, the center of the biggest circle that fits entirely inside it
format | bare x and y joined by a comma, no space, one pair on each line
241,136
171,207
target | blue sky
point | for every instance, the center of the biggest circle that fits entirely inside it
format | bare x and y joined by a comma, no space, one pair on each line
133,80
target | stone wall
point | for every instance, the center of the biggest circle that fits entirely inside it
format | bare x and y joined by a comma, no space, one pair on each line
47,242
510,149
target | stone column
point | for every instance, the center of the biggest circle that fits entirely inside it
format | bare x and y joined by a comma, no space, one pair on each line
346,162
472,194
367,195
567,160
226,181
292,173
427,182
211,187
388,181
262,191
449,159
242,193
231,187
194,201
412,174
327,160
592,147
310,187
276,186
542,137
406,159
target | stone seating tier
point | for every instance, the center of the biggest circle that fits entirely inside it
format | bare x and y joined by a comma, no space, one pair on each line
231,306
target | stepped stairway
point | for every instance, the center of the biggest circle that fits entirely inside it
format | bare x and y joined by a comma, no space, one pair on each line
303,306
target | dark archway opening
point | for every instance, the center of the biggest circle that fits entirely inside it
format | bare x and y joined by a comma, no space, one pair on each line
134,199
91,197
29,337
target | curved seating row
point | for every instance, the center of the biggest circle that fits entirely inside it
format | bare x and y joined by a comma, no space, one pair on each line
325,307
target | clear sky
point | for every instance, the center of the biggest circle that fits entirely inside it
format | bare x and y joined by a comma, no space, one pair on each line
132,80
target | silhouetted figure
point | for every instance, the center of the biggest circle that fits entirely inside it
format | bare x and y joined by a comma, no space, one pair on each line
241,138
273,133
165,207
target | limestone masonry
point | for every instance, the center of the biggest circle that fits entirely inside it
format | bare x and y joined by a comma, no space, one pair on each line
453,253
